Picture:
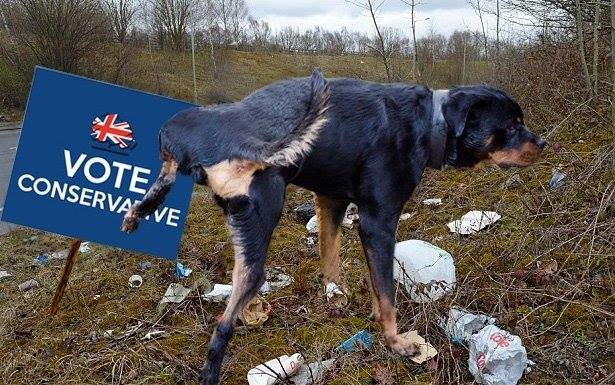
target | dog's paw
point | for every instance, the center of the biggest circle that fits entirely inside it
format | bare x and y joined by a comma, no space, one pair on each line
131,222
402,345
336,295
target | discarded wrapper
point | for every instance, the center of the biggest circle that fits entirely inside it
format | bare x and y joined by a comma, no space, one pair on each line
426,271
473,221
361,340
84,247
312,373
461,324
175,293
312,225
405,216
335,295
276,280
135,281
496,357
557,179
272,370
145,265
40,260
182,271
28,285
255,313
426,350
153,335
5,274
219,293
432,202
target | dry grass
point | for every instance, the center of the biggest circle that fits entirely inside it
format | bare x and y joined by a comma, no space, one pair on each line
566,323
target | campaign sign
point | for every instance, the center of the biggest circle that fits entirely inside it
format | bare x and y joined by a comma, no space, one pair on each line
88,151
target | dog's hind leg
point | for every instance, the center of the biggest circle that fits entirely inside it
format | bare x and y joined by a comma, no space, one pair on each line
154,196
251,219
330,213
377,231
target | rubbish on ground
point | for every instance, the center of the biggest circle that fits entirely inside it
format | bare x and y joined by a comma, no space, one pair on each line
361,340
461,324
305,211
40,260
175,293
108,333
312,225
512,182
496,357
276,280
313,373
473,221
219,293
557,179
96,297
426,271
153,335
351,215
145,265
85,247
5,274
426,350
132,330
541,276
311,241
135,281
255,313
335,295
432,202
272,370
405,216
182,271
61,254
28,285
93,336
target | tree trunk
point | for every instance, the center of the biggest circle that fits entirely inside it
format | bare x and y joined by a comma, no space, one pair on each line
596,48
613,73
414,53
581,39
385,58
497,32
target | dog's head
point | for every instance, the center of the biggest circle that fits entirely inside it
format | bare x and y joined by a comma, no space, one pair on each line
488,125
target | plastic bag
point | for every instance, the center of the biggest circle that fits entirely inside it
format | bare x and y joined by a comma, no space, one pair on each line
496,357
461,324
427,271
473,221
272,370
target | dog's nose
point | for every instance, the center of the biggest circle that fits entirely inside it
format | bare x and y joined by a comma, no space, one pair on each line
541,143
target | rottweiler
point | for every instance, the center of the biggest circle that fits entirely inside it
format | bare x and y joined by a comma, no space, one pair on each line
346,140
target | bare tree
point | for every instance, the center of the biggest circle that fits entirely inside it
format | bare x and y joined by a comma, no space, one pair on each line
581,42
231,17
613,72
122,14
380,47
478,8
171,17
595,74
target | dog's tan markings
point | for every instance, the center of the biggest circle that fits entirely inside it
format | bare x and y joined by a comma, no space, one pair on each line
238,299
300,147
489,141
329,239
231,178
524,156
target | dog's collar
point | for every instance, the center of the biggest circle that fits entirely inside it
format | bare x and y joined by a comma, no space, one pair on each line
438,141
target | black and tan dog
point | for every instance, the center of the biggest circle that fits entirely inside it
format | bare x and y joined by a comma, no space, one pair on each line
347,141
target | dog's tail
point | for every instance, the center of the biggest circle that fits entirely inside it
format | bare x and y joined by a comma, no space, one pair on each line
298,143
154,196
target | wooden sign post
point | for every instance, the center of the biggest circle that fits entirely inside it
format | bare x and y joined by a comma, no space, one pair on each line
68,268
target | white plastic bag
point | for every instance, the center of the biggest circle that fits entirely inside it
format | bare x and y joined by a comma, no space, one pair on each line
312,373
269,372
496,357
461,324
473,221
427,271
219,293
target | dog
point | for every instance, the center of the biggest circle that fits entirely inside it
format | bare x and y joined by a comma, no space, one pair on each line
346,140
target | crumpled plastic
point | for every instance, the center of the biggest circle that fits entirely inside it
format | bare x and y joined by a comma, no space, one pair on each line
255,313
312,373
496,357
272,370
461,324
473,221
427,271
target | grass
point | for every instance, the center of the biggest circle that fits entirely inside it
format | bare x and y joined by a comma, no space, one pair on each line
567,325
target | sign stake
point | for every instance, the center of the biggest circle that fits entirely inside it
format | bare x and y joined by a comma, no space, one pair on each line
68,268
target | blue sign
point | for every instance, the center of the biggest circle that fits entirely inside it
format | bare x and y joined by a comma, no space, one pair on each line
88,150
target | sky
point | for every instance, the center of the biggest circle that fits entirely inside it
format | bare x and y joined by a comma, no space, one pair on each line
444,16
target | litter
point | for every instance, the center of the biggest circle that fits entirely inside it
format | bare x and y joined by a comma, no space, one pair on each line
432,202
5,274
335,295
272,370
461,324
557,179
361,340
305,211
135,281
40,260
351,215
276,280
512,182
426,350
152,335
312,373
496,357
219,293
108,333
255,313
426,271
85,247
312,225
145,265
175,293
405,216
182,271
310,241
473,221
61,254
28,285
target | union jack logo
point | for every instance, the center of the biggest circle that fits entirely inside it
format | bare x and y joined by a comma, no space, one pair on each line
107,129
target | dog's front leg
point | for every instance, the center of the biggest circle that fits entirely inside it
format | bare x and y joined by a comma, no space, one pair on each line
377,231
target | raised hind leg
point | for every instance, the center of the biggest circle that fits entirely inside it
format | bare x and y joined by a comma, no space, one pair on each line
251,220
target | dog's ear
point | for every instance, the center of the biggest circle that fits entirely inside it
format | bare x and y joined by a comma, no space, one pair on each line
456,109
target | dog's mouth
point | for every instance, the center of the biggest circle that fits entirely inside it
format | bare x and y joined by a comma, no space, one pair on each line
516,157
